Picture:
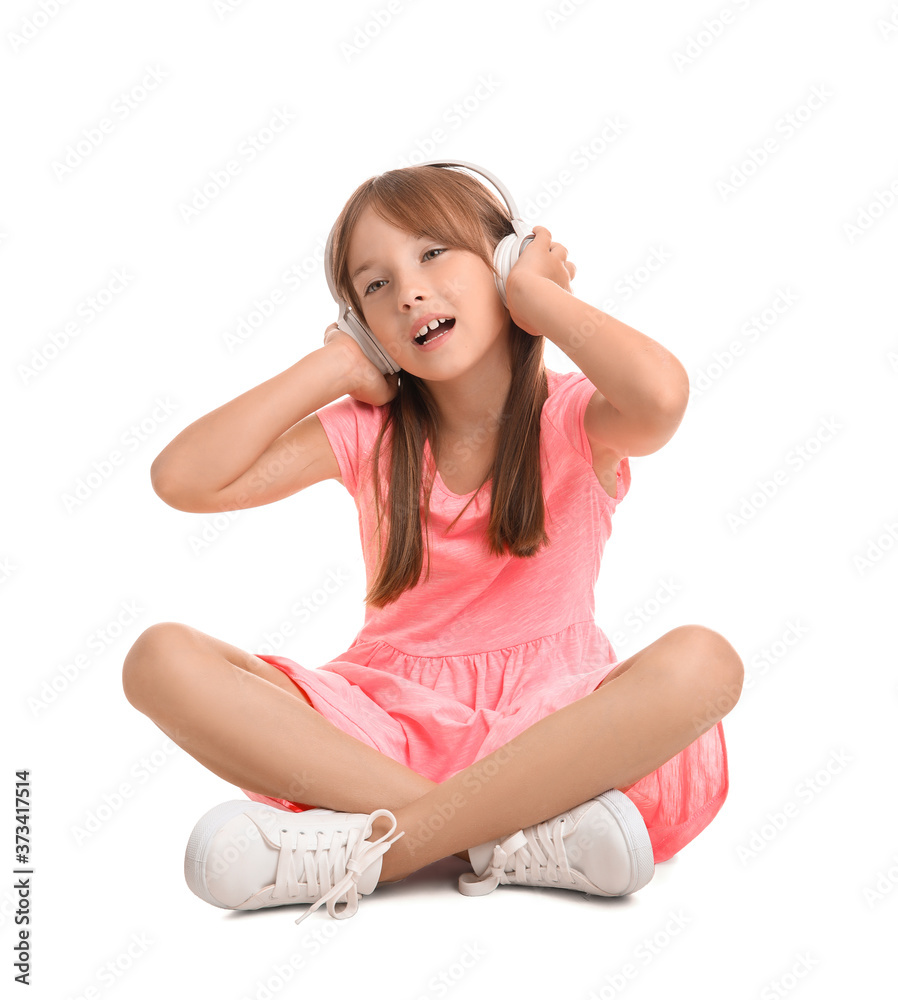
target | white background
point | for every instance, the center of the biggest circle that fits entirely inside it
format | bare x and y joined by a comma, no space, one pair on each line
804,242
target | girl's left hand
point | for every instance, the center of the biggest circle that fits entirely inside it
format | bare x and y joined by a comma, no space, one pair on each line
541,258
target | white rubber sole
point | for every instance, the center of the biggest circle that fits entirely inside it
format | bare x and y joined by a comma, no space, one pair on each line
639,847
197,853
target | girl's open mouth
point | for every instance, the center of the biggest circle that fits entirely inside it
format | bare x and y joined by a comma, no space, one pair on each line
437,336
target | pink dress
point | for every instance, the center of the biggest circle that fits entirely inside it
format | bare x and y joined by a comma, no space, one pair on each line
460,665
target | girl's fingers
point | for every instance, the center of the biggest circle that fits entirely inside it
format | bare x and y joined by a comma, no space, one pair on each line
560,247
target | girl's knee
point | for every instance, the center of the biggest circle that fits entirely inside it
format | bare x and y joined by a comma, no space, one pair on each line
151,650
712,654
705,670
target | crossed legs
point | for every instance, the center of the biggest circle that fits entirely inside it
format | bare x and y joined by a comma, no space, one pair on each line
248,723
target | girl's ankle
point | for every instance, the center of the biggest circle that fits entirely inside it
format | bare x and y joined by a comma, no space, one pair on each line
389,870
379,828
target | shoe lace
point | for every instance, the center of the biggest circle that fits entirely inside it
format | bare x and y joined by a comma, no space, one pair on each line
538,855
332,869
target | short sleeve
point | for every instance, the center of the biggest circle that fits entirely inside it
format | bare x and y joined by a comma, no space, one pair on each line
351,428
566,409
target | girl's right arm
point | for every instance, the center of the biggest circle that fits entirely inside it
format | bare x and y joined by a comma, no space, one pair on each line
267,443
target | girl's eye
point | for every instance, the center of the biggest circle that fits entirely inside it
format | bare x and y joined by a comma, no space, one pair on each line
426,252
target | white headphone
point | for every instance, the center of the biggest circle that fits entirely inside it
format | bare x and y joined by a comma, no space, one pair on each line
506,253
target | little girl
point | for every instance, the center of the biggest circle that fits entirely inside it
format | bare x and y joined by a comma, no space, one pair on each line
480,711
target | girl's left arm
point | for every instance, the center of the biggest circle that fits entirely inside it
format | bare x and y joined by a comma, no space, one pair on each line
645,388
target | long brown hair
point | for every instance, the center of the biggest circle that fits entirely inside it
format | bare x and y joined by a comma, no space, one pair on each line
455,208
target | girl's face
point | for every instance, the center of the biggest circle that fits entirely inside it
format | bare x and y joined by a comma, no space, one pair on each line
409,279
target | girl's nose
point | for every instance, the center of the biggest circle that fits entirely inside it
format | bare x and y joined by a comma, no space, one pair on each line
411,294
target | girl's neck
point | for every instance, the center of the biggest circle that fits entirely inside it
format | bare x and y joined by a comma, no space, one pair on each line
473,402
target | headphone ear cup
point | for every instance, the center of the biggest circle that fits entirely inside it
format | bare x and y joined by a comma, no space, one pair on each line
506,253
350,324
360,333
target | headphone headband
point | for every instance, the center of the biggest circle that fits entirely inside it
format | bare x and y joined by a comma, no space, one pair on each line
500,187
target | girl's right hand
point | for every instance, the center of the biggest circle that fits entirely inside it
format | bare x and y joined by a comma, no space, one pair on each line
369,384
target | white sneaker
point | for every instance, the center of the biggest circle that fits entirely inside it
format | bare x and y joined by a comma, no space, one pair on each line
243,855
600,847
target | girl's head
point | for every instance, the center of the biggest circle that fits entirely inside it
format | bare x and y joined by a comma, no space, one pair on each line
426,235
419,241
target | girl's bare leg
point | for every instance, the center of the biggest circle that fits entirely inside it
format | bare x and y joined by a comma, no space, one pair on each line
247,722
651,707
